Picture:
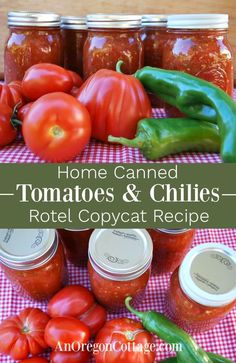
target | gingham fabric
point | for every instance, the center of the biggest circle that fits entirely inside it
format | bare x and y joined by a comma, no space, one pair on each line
97,152
221,339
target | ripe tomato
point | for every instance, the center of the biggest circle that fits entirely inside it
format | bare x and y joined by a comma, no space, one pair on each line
44,78
116,102
67,330
57,127
69,357
8,132
124,335
23,111
11,94
77,80
23,334
78,302
35,360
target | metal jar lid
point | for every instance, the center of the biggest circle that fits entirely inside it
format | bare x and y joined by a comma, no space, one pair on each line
34,19
156,20
26,249
207,274
120,254
198,21
73,22
173,231
114,21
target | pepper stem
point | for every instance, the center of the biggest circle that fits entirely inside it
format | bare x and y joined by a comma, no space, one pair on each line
118,66
131,309
127,142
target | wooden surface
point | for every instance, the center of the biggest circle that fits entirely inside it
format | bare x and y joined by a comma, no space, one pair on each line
80,7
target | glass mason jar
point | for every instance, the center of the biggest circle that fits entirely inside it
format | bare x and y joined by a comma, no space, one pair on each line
112,38
33,261
203,290
33,38
154,29
76,242
198,44
119,265
169,248
74,33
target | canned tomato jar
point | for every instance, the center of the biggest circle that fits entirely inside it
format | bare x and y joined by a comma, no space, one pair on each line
113,37
33,261
198,44
76,243
169,248
119,265
74,33
33,38
203,290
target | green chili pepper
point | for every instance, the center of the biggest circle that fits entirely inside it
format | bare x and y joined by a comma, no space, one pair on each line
160,137
159,325
197,99
214,357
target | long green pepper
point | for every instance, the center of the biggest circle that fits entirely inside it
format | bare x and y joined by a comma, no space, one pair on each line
165,329
196,98
157,138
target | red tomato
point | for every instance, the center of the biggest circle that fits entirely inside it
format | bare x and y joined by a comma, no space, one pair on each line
69,357
78,302
77,80
57,127
8,132
66,331
23,334
124,333
44,78
23,111
11,94
35,360
116,102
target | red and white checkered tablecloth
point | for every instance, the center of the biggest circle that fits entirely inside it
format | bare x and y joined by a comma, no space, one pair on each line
97,152
221,339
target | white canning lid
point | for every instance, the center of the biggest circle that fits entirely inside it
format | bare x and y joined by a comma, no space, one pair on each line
207,274
114,21
25,249
73,22
120,254
35,19
198,21
158,20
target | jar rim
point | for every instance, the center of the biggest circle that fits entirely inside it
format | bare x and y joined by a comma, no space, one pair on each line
198,21
35,19
173,231
120,254
195,282
74,22
47,239
112,21
156,20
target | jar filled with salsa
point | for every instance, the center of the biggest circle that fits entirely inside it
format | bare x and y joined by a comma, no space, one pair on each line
76,243
112,38
119,265
154,29
198,44
203,290
169,248
33,261
33,38
74,33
